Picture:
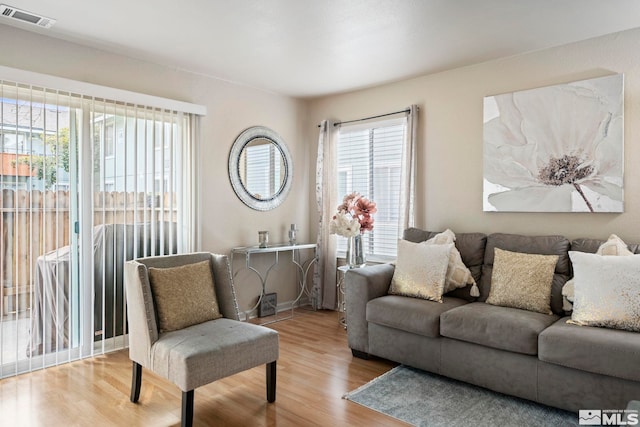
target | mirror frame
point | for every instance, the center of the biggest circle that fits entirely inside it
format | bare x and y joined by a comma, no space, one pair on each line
239,144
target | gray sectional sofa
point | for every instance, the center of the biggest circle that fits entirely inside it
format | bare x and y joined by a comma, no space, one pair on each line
521,353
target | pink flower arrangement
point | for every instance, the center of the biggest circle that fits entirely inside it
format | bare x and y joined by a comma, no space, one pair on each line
354,216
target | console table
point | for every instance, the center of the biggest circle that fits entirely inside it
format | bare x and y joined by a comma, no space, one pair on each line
248,252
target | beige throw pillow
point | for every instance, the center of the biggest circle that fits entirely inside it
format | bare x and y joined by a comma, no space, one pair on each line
607,291
614,246
458,275
183,295
522,280
420,270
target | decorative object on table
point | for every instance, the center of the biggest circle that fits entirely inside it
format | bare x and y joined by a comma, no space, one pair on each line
292,234
555,149
424,399
263,239
353,218
268,305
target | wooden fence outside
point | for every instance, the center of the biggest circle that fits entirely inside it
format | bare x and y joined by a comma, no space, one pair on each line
36,222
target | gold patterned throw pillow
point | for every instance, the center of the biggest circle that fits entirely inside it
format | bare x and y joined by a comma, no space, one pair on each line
607,291
614,246
420,270
522,280
458,275
183,295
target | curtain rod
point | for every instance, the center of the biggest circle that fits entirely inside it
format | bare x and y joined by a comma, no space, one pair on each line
406,110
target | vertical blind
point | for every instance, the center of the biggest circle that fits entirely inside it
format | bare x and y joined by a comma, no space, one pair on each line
86,184
369,161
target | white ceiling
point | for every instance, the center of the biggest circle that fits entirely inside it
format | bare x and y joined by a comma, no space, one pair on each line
308,48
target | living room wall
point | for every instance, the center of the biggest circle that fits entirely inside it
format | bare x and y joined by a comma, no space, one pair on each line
225,221
449,154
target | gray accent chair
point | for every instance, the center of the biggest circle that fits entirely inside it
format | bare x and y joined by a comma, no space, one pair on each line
199,354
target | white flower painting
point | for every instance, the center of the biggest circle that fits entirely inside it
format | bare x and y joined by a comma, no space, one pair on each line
555,149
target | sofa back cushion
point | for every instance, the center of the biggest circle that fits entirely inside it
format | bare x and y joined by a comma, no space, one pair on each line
591,245
471,247
542,245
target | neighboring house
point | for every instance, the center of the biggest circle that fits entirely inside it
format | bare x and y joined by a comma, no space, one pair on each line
13,173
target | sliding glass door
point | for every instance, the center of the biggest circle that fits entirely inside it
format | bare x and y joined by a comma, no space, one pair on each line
85,185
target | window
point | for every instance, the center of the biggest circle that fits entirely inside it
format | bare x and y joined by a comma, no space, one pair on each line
369,162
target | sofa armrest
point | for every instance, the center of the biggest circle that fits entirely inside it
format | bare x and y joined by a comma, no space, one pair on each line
361,286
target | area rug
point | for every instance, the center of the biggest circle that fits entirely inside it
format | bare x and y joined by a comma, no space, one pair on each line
428,400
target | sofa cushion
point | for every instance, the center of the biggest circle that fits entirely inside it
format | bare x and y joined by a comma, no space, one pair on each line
421,270
502,328
458,275
614,246
542,245
471,247
522,280
607,291
418,316
592,245
596,350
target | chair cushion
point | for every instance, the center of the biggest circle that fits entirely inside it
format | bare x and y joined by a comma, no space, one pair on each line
503,328
418,316
206,352
597,350
183,295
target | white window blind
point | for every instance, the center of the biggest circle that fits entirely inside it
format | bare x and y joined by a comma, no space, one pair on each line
369,162
86,183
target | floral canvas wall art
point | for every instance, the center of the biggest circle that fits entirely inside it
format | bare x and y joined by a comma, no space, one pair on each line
555,149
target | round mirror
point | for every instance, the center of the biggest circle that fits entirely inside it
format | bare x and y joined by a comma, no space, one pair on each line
260,168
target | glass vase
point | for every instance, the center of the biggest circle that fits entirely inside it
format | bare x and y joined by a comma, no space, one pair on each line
355,252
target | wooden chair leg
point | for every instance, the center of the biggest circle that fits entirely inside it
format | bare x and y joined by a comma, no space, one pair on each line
187,408
271,382
136,380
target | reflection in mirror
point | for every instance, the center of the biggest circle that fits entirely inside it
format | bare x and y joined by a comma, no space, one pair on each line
260,168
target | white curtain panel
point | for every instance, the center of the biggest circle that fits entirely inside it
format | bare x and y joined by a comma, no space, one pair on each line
408,172
324,277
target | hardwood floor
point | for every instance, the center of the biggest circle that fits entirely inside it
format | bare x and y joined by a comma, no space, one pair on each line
314,370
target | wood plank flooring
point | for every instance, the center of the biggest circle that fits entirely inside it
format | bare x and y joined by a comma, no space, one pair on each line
314,370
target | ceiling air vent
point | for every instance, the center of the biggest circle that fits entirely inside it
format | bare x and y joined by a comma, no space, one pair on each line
24,16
